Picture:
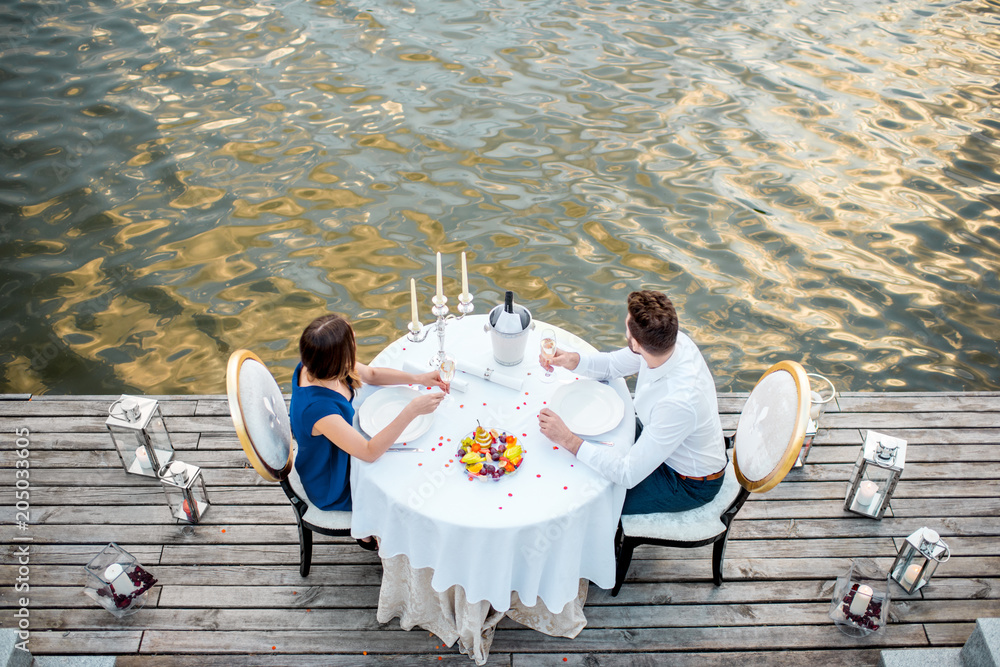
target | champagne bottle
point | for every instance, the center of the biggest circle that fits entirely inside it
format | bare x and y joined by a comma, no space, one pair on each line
508,321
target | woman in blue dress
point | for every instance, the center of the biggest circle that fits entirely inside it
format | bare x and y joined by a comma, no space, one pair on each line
321,414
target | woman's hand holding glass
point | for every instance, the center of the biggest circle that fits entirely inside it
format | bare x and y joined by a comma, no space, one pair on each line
433,379
447,372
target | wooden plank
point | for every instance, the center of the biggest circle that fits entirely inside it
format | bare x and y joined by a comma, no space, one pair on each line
907,488
933,402
326,551
85,442
112,476
94,423
788,658
294,641
975,588
885,422
66,496
52,407
77,554
91,642
217,515
935,507
300,660
949,634
916,452
359,570
859,527
107,457
775,638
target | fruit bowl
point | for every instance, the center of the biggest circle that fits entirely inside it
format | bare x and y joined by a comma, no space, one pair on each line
490,454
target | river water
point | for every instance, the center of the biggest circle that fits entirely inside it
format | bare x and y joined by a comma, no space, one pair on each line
815,180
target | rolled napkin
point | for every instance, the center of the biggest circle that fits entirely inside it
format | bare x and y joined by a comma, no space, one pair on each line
491,374
457,383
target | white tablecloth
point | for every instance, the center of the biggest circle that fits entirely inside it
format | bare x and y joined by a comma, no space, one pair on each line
536,533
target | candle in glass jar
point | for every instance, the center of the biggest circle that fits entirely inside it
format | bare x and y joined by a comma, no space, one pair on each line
116,576
911,574
440,286
465,276
862,598
413,302
866,492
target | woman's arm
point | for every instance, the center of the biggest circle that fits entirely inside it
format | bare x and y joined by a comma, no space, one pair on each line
384,376
343,435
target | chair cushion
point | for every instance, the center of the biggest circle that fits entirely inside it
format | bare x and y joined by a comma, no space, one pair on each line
701,523
331,520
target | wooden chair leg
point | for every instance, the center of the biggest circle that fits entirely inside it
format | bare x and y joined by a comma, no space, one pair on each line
305,549
718,554
621,567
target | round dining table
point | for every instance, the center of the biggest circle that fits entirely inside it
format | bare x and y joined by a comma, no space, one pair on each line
461,552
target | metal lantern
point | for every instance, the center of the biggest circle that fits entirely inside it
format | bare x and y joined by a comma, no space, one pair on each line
117,582
140,437
875,475
185,490
918,558
821,394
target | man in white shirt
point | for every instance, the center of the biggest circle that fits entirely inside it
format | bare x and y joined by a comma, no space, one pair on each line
679,458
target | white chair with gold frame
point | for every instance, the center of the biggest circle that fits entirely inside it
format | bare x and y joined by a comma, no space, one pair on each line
768,437
261,420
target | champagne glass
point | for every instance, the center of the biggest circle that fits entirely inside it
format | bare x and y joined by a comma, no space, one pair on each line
447,370
548,348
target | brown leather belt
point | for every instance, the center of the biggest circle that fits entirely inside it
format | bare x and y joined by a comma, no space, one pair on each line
714,475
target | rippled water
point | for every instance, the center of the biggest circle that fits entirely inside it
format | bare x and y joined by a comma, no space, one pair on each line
815,180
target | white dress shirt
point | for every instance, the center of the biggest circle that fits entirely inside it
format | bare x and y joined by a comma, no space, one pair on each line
678,407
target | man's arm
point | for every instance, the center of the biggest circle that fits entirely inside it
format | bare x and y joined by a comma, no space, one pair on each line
609,365
672,422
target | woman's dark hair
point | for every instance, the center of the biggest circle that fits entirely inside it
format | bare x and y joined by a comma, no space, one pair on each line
652,320
329,351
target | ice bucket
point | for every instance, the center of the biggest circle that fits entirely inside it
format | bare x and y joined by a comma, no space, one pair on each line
508,348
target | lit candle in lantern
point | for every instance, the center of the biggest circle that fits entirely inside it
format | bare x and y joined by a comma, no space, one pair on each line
142,457
440,286
862,598
413,302
866,492
116,575
912,574
465,276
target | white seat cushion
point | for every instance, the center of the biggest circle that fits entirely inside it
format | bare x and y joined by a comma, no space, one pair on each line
701,523
331,520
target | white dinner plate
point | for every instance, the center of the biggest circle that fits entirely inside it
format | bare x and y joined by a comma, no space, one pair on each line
588,407
385,405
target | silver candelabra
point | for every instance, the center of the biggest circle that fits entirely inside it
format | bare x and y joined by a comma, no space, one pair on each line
418,332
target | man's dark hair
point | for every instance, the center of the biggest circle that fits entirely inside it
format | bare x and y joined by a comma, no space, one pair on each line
652,320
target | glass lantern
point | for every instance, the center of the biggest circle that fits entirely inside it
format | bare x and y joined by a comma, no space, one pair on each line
875,475
185,490
117,582
821,394
860,602
918,558
140,437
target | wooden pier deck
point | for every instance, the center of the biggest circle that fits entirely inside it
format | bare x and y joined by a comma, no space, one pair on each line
229,590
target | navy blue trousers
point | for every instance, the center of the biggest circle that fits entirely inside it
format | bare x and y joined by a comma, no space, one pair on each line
666,491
